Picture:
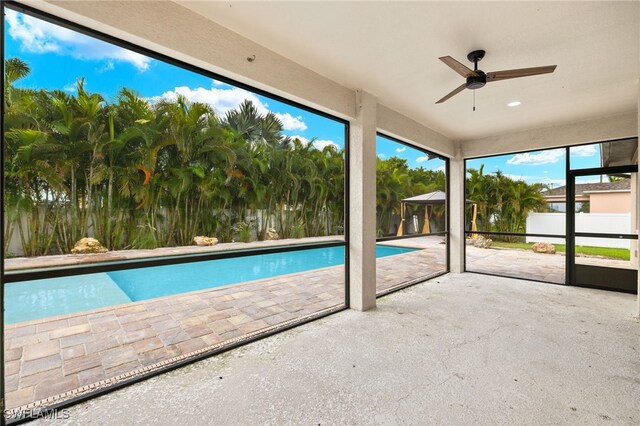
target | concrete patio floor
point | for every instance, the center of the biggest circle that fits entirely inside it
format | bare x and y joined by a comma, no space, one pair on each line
53,359
459,349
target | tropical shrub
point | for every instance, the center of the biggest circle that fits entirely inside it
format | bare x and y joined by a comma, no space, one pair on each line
502,203
139,174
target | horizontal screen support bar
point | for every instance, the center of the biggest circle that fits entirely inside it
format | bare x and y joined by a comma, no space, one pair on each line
403,237
513,234
601,235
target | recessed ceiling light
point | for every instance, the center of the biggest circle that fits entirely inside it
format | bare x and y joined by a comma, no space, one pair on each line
514,103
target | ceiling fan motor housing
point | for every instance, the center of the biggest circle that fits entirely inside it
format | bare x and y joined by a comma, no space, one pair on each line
475,78
476,82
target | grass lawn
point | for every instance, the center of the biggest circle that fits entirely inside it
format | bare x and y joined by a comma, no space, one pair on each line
615,253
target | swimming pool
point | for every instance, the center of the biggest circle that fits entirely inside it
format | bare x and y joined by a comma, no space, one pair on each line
28,300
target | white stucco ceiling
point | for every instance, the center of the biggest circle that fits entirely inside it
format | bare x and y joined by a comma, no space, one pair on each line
391,49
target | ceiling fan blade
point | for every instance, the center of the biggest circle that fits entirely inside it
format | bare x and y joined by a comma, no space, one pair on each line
453,93
463,70
522,72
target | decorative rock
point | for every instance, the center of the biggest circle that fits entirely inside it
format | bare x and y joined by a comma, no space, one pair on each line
482,242
272,234
88,245
205,241
544,248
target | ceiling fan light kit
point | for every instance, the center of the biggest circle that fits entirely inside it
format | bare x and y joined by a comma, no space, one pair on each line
475,78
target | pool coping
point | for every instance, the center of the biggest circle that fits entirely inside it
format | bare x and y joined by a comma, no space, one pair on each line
37,263
138,302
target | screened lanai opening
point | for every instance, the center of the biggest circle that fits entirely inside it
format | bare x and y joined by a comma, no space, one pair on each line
604,235
506,201
411,214
155,213
562,215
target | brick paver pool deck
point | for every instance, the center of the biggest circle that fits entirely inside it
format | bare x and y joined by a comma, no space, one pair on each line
528,265
53,359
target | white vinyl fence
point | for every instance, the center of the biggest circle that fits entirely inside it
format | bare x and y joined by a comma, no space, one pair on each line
607,223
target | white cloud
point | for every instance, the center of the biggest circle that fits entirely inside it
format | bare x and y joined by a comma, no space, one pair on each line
39,36
219,83
321,144
223,100
584,150
422,159
289,122
71,88
544,157
403,149
382,156
317,144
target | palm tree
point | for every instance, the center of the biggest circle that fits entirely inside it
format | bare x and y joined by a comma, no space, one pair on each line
79,127
523,199
139,174
37,187
393,184
201,147
480,189
254,127
503,203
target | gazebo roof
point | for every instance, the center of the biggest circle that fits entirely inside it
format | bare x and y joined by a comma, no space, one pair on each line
435,197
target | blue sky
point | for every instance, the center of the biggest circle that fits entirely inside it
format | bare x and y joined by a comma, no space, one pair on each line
387,148
547,166
58,57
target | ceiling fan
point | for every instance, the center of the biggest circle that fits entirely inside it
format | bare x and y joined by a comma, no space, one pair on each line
477,78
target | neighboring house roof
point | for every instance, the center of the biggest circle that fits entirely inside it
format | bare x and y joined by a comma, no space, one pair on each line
583,189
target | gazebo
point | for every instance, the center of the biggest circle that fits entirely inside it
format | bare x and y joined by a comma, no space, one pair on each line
428,199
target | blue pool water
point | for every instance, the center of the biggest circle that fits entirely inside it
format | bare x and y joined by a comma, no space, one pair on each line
29,300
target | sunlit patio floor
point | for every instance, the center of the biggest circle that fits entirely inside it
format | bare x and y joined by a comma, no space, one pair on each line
529,265
54,359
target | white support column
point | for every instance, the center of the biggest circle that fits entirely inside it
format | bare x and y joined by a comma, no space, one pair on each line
362,204
456,214
637,207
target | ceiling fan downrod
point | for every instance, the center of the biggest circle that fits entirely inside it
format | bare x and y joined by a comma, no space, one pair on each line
479,79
